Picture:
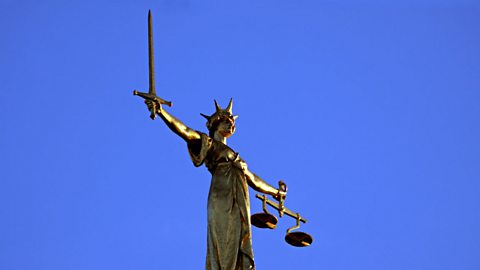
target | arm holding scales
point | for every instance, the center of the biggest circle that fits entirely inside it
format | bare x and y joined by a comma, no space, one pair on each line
259,184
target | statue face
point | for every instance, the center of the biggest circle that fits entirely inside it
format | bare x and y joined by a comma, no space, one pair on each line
226,127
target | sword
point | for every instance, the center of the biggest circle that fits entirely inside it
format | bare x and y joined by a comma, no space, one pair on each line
152,94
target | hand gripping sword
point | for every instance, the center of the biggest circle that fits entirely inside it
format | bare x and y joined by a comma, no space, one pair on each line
152,94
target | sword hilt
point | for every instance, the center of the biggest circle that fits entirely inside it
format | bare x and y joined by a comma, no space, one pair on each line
155,100
153,111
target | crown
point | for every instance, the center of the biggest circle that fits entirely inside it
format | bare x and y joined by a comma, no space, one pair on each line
219,114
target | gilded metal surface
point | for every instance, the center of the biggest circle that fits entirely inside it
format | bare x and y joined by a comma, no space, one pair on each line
278,207
152,93
298,239
265,219
229,229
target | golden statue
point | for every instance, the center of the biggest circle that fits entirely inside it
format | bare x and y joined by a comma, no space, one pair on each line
229,230
229,223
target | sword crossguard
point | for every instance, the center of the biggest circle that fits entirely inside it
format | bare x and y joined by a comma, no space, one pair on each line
156,100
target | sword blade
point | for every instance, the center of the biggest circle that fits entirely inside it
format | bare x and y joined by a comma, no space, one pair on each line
151,75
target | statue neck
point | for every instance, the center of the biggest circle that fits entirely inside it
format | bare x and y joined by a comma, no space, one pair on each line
218,137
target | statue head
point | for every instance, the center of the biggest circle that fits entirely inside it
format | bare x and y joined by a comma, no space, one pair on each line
221,121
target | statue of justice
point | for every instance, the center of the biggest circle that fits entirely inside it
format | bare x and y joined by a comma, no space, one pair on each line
229,242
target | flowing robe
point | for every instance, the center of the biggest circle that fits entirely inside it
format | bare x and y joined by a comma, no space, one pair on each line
229,230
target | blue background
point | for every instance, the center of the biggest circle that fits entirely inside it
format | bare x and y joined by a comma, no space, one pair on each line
369,110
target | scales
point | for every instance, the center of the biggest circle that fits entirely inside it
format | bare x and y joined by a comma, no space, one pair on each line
266,220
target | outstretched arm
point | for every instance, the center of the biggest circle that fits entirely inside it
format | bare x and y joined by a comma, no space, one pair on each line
260,185
177,126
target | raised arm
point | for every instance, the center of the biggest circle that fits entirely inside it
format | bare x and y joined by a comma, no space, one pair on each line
177,126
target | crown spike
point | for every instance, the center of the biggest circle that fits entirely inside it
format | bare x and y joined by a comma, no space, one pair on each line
235,117
229,107
206,116
217,107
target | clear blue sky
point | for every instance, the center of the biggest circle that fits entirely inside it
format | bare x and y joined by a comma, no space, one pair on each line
368,110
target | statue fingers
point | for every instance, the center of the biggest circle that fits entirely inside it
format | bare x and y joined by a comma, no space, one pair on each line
150,104
281,195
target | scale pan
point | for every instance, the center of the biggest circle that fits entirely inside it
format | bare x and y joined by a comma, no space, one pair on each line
299,239
264,220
